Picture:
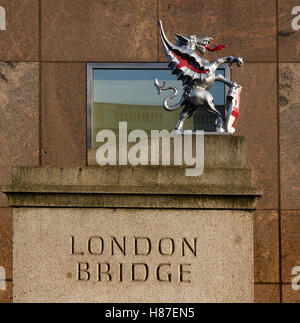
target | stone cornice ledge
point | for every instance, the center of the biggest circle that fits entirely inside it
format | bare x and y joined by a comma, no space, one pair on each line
67,187
131,197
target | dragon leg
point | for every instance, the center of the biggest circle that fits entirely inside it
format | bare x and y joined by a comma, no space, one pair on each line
186,113
220,121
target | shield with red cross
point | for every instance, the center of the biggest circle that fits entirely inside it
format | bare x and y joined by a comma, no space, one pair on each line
234,109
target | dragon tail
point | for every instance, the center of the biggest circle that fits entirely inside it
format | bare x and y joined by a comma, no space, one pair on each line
166,105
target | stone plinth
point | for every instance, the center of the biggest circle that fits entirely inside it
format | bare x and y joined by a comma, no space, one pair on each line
136,234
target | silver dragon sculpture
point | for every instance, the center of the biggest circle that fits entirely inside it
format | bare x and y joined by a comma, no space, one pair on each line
198,76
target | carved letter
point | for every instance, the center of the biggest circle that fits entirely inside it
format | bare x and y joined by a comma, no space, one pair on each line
192,249
133,273
137,252
107,272
182,272
72,248
120,273
101,246
169,277
80,270
115,242
172,250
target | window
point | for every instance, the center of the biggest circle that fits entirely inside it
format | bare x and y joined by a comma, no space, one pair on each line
125,92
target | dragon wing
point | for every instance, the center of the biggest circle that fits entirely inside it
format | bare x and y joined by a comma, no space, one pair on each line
184,62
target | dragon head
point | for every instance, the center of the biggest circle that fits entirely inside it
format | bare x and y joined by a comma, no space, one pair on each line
193,43
190,43
202,44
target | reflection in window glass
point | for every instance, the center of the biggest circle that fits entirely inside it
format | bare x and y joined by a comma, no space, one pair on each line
129,95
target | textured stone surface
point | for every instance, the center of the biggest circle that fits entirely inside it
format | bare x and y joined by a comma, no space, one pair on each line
265,293
237,24
5,179
99,31
19,114
19,119
6,241
258,122
289,295
3,200
289,39
6,296
290,243
266,246
20,40
221,271
230,180
289,79
63,114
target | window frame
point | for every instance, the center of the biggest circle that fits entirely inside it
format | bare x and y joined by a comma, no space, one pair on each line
121,66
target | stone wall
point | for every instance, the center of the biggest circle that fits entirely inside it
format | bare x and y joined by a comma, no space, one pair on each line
43,99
